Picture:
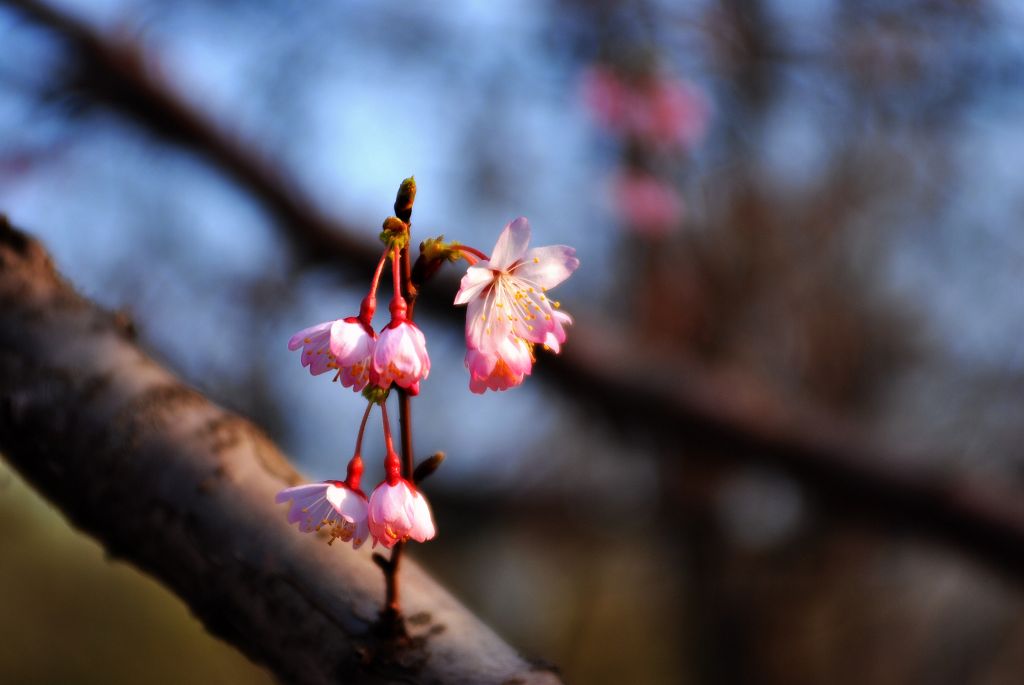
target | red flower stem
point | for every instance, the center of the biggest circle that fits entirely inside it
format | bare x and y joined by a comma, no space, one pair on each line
377,273
391,465
369,304
362,428
472,251
355,464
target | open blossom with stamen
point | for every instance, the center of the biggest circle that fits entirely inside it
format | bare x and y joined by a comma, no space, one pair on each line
400,355
507,300
351,344
500,370
330,505
345,345
398,512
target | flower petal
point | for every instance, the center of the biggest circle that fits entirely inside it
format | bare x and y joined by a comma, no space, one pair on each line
556,336
476,279
485,324
350,342
511,244
547,266
299,339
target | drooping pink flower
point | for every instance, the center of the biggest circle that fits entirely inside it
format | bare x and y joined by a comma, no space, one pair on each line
351,344
506,295
647,205
397,512
400,355
502,369
332,505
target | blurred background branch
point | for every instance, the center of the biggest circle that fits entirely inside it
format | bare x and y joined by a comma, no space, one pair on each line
114,71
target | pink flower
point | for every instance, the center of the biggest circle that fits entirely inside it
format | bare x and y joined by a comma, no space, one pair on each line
507,303
607,97
352,344
332,505
397,512
500,370
674,112
654,108
400,356
315,342
646,204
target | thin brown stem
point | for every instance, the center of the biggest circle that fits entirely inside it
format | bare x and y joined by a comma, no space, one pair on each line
405,425
392,608
391,616
408,287
396,273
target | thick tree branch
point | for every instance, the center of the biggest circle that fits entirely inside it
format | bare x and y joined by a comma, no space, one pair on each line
602,369
184,489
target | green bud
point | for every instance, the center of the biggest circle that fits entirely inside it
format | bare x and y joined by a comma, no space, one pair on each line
375,394
453,254
405,198
436,249
395,233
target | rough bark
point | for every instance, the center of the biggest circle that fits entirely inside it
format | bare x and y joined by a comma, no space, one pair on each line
182,488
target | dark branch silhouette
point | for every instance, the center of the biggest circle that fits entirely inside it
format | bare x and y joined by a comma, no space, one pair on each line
114,71
710,418
168,481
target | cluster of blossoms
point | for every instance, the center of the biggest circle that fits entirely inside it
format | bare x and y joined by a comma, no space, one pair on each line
508,313
656,118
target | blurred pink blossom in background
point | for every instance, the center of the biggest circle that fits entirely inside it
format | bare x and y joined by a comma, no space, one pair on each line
656,109
646,204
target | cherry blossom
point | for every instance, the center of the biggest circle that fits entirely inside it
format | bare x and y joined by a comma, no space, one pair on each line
502,369
508,308
652,107
330,505
351,344
400,355
398,512
646,204
315,342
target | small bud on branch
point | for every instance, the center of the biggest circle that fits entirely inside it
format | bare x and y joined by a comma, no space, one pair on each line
427,467
405,198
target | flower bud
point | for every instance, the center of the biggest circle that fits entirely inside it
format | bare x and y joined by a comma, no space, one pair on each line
405,198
